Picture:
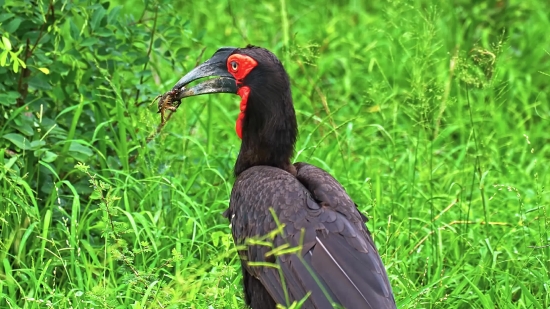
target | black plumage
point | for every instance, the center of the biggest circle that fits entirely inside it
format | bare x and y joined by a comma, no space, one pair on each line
318,215
336,260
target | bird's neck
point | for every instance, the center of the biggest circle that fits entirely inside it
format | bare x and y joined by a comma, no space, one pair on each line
269,132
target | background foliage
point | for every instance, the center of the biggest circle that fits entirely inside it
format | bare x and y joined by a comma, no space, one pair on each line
431,114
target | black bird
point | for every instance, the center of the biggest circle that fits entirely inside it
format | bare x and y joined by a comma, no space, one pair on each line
336,260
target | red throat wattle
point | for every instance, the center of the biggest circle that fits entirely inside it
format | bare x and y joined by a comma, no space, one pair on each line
239,66
243,92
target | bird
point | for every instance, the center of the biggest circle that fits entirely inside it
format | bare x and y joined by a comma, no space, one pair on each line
300,237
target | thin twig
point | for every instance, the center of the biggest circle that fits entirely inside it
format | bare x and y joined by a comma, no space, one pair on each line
453,223
326,108
149,49
111,222
452,67
234,20
539,247
198,60
22,88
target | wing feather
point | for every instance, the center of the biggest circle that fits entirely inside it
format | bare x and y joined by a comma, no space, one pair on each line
338,261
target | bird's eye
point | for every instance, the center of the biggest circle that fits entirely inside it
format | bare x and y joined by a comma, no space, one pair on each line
234,66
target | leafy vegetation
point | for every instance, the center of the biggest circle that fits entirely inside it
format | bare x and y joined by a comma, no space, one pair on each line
431,114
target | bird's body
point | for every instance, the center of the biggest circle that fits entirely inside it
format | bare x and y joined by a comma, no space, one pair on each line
319,219
302,236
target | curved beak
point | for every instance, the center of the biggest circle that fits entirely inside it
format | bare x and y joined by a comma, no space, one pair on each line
215,66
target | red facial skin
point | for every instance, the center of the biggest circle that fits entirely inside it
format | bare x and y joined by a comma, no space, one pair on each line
239,66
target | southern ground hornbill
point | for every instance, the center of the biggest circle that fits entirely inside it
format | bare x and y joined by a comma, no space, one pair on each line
329,250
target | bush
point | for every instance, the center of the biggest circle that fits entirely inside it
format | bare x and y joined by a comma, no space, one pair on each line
76,80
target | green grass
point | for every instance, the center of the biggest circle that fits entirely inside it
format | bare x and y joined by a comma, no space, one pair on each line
433,117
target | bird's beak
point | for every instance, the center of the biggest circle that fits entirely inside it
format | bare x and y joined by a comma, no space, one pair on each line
215,66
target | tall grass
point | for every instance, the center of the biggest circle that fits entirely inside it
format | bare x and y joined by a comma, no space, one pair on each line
434,116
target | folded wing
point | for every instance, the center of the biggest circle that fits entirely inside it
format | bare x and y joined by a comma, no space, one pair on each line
336,261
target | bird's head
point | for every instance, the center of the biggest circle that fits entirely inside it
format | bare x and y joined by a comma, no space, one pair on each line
256,75
267,121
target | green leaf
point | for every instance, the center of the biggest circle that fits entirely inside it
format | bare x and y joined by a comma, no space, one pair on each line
39,82
4,58
5,16
23,124
35,145
103,32
49,156
15,66
9,163
75,33
97,16
18,140
95,195
9,98
44,70
6,42
13,25
113,14
21,62
89,41
76,147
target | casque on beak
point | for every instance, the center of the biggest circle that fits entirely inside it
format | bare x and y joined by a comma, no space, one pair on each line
215,66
